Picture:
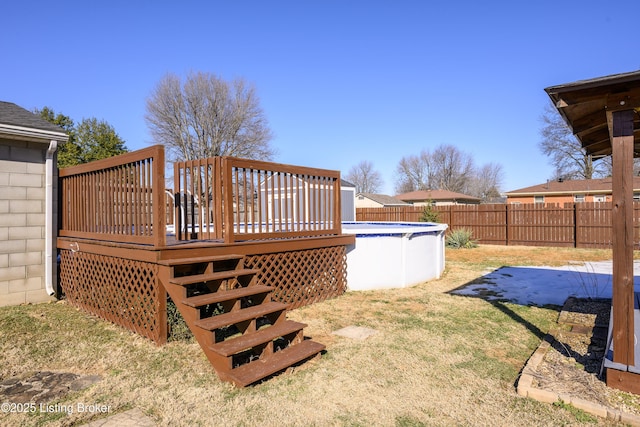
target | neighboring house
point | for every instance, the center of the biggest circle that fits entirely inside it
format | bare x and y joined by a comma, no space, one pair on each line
369,200
569,191
28,205
437,198
300,189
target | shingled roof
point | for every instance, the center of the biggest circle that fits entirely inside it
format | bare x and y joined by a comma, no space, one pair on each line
15,119
587,186
435,195
383,199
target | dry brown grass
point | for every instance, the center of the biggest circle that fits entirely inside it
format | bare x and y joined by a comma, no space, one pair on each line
437,359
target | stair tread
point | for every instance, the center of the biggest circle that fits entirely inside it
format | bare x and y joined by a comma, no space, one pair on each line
208,277
233,317
196,260
262,368
214,297
252,339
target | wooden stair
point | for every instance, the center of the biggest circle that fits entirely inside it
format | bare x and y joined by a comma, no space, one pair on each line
245,335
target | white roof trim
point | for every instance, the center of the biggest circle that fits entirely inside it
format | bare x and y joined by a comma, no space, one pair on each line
561,193
32,134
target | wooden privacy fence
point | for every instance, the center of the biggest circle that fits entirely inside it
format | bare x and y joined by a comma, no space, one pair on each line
581,225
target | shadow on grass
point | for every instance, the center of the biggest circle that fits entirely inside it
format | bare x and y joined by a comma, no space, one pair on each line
486,287
572,329
538,286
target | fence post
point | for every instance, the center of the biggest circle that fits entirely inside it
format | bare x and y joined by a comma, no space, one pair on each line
575,224
451,223
507,225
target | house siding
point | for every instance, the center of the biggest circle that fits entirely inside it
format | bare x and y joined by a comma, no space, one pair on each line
22,222
367,203
554,199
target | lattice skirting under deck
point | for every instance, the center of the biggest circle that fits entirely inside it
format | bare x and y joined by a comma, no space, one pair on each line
123,291
302,277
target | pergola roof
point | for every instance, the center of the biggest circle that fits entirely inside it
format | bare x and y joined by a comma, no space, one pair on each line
584,105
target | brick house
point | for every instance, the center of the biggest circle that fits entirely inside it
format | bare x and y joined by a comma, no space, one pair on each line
569,191
437,198
28,205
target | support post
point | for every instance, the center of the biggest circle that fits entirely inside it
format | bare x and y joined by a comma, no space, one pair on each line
621,129
158,204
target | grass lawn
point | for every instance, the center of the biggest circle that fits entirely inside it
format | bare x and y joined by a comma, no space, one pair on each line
437,360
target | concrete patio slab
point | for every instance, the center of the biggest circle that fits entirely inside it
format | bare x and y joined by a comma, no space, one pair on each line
355,332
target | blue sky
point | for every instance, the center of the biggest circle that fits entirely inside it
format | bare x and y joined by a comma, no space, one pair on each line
340,81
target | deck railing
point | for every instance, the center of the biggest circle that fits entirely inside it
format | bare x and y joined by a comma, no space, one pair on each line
124,199
239,199
115,199
197,193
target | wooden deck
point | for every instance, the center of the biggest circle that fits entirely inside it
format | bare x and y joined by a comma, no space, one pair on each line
249,240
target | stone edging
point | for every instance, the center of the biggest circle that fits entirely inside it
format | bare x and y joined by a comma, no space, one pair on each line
525,388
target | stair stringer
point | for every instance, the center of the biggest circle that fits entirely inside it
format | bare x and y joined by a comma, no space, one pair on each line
220,354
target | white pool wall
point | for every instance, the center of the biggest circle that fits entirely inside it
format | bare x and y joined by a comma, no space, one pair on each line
394,255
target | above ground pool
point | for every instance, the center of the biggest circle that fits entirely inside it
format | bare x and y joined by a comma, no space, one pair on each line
393,254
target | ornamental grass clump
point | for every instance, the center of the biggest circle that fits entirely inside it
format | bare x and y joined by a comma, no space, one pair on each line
461,238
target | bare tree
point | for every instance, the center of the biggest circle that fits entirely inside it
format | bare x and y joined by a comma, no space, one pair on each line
564,150
452,169
365,178
448,168
205,116
487,182
414,173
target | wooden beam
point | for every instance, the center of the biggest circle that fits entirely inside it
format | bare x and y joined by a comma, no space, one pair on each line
621,128
588,122
625,381
623,101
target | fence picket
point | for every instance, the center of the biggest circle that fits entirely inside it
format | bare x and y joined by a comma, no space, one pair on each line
581,225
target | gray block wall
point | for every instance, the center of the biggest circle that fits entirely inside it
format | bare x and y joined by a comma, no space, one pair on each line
22,222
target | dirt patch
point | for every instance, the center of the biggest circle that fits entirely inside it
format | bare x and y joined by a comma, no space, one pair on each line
572,364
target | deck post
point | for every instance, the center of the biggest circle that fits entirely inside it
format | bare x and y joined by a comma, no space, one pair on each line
337,207
161,317
216,189
227,200
621,133
160,221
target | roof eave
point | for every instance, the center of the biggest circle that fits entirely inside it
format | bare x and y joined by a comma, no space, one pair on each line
31,134
558,193
589,102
